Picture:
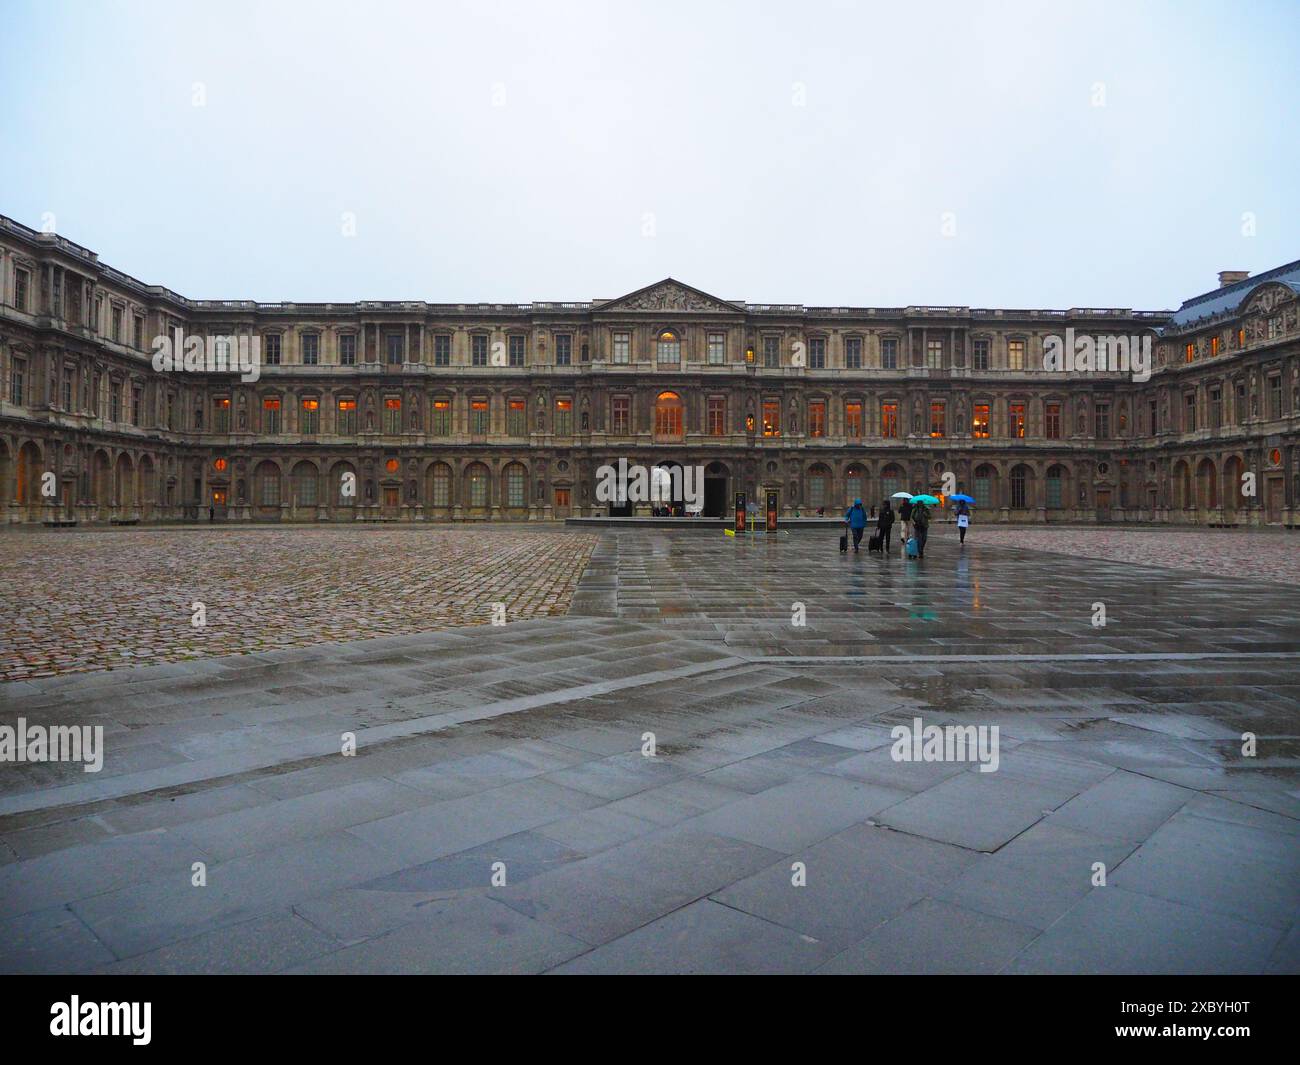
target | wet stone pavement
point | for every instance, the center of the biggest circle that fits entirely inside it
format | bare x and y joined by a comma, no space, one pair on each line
501,813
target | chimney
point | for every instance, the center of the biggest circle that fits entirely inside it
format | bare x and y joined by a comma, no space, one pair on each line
1231,277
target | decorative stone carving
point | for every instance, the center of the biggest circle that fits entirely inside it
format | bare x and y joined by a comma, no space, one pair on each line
670,296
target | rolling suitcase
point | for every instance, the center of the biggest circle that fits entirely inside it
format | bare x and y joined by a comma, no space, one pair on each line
912,551
844,541
874,543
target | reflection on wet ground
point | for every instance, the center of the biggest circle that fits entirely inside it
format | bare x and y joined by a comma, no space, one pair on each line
1125,747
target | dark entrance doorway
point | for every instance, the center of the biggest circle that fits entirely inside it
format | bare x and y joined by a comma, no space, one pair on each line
715,491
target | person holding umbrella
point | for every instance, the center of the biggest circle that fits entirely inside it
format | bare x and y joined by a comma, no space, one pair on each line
963,516
905,515
921,520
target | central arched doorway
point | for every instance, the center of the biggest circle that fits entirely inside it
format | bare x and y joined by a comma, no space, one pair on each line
715,490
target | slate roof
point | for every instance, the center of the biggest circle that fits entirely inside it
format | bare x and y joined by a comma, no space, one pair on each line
1225,300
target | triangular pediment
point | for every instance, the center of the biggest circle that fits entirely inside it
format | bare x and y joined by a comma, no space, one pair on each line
669,295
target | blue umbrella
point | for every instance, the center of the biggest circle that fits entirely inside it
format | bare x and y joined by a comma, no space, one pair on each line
959,498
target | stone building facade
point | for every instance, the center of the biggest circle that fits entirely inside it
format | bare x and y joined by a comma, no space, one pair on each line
413,411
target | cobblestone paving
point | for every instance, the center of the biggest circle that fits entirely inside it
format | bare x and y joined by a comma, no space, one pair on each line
92,600
1268,556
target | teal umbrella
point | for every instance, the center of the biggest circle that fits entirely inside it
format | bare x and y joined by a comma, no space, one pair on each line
929,501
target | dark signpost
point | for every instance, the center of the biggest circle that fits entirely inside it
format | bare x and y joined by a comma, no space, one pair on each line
771,512
740,512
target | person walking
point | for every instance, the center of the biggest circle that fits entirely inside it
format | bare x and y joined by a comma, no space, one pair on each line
963,521
856,519
921,522
884,524
905,516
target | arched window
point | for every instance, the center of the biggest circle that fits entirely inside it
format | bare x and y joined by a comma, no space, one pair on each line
304,479
669,347
269,485
891,481
515,486
853,483
1055,476
1019,488
440,486
818,479
984,478
345,485
668,414
477,478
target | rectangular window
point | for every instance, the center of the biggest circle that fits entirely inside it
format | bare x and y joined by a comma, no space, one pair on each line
889,420
934,354
817,353
271,415
1018,493
938,420
771,417
717,349
1189,412
980,355
622,347
442,417
478,417
1015,355
980,422
1103,421
441,349
220,413
393,415
136,397
310,349
889,354
1214,345
67,391
1275,397
117,324
310,420
817,418
516,346
853,353
516,418
983,491
563,349
347,420
853,419
1216,408
771,352
271,349
1016,421
622,416
564,417
716,416
22,282
18,382
1052,421
396,345
348,349
478,349
1189,352
138,332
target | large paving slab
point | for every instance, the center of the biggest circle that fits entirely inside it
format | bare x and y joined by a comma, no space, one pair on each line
674,777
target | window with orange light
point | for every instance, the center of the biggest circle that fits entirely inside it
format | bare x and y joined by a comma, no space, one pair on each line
771,418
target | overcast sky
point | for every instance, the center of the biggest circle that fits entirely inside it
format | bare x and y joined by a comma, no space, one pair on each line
1017,155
